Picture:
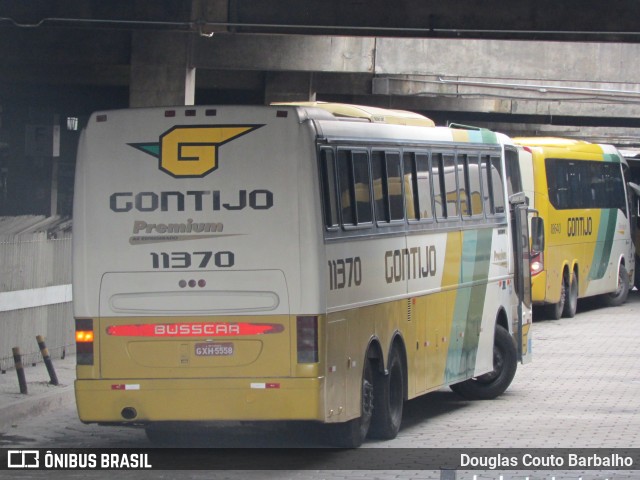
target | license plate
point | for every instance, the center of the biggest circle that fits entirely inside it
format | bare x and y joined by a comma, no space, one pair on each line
214,349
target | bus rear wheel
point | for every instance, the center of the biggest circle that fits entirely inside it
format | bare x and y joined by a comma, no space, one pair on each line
388,400
571,301
554,310
617,298
492,384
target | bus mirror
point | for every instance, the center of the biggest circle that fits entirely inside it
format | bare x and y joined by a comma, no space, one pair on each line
537,234
518,199
635,187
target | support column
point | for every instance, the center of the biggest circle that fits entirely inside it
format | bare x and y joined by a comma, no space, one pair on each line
161,72
289,87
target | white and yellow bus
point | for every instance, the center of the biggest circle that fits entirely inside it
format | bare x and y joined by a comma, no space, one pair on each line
320,262
579,190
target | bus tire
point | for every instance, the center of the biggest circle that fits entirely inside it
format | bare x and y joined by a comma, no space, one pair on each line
493,384
388,400
351,434
554,310
617,298
571,299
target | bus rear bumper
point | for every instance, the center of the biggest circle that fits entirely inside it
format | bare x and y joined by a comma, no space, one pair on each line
539,288
143,401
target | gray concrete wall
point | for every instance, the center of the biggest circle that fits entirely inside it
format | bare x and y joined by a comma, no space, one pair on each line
35,299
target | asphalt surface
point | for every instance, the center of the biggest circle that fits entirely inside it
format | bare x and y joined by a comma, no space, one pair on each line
582,390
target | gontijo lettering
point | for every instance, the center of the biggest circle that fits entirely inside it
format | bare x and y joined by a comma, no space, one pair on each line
579,226
196,200
410,263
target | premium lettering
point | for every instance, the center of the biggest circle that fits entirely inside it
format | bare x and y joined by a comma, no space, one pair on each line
140,226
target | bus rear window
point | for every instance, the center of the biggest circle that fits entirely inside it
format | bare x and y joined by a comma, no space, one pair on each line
329,188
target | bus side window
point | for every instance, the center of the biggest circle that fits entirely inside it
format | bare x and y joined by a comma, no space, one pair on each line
410,186
463,185
437,174
498,190
347,193
387,186
394,182
362,187
474,184
451,186
355,187
424,186
329,187
380,193
487,186
614,186
514,179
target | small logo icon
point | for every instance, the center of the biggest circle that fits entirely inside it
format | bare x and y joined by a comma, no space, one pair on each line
192,151
23,459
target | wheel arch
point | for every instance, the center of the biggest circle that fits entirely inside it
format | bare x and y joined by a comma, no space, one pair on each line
398,343
502,319
374,354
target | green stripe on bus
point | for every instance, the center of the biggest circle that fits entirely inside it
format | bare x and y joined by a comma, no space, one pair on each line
488,136
469,304
602,253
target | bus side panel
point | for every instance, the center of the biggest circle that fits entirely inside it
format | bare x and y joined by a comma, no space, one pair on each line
611,246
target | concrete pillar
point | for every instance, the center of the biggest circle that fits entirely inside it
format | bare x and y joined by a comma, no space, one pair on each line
161,72
289,87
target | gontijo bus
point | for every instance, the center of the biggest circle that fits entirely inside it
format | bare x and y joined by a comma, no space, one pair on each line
322,262
579,190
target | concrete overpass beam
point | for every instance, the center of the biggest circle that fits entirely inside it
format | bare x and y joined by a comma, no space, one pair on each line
289,87
515,96
285,53
161,73
568,61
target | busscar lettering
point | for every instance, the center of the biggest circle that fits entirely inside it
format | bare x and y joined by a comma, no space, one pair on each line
410,263
197,329
192,200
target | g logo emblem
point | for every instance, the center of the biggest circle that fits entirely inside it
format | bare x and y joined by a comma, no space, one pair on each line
192,151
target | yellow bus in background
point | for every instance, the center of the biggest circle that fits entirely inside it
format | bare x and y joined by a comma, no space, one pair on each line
578,188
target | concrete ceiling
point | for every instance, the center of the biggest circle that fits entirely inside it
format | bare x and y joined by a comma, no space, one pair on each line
535,65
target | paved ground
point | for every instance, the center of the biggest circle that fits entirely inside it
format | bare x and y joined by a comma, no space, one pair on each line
581,391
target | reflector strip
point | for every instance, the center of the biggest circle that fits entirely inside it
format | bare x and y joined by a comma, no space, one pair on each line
261,386
193,329
124,386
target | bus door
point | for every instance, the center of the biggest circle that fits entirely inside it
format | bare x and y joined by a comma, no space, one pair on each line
522,274
634,211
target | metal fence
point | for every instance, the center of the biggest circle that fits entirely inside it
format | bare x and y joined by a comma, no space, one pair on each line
35,295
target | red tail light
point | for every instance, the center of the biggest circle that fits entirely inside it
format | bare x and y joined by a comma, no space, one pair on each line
84,341
537,263
307,334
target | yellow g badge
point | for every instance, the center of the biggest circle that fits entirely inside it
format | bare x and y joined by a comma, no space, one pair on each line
192,151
